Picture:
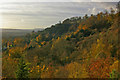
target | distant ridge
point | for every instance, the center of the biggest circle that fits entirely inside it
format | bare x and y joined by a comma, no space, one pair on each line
9,30
6,33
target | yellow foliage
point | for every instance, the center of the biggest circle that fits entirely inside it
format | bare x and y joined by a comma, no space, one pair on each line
47,69
58,38
52,47
9,54
31,70
43,67
52,39
66,57
17,41
98,40
66,36
114,66
15,50
76,70
38,66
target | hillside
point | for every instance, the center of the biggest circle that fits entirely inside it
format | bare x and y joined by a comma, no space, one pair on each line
79,47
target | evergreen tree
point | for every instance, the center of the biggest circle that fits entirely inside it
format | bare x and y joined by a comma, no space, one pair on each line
22,71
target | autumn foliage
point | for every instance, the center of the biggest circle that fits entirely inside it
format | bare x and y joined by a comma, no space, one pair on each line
75,48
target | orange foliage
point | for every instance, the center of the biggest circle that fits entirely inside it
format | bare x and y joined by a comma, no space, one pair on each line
39,45
66,36
76,31
84,27
8,44
38,38
17,40
100,68
80,27
14,51
43,42
25,46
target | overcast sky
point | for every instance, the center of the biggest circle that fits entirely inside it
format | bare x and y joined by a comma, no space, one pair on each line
29,14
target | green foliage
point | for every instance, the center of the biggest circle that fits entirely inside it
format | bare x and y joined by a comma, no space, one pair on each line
113,74
23,70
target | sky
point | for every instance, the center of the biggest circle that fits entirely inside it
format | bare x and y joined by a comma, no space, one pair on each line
30,14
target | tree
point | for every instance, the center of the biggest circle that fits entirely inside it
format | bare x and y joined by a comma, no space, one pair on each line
33,31
92,15
118,7
100,68
112,10
76,70
15,52
105,12
86,16
23,70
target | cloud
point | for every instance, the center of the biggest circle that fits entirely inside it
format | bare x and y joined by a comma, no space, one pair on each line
7,1
105,0
37,14
93,10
